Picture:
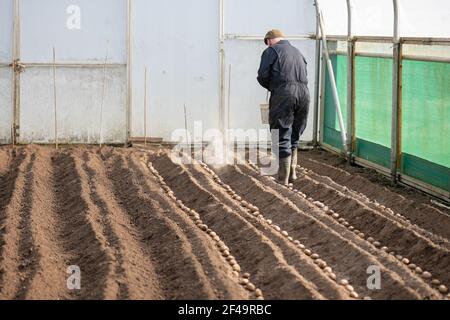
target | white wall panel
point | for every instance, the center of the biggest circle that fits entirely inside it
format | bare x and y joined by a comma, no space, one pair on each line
417,18
6,32
247,94
79,94
179,43
256,17
44,26
425,18
79,89
5,105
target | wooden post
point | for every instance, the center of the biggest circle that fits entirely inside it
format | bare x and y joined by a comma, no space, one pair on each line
185,123
103,95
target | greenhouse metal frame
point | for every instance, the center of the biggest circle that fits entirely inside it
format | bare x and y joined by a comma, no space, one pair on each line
423,174
408,169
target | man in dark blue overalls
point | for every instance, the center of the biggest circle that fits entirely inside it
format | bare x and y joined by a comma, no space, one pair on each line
283,72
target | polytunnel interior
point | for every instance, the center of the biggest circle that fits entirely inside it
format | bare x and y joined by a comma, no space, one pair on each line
110,167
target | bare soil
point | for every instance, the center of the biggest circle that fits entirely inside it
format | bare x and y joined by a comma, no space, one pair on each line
141,226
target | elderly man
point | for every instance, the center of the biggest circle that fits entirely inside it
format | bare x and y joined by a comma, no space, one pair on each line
283,72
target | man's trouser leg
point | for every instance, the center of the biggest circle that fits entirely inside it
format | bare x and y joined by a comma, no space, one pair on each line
281,119
301,111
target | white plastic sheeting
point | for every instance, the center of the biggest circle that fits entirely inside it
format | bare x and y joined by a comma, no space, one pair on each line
6,26
180,48
6,30
417,18
44,26
178,41
255,17
424,18
79,94
102,35
247,95
294,18
5,105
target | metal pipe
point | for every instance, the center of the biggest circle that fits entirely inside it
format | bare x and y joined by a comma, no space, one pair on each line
333,37
323,69
54,99
229,97
349,19
229,36
16,75
145,106
350,83
332,79
374,39
222,66
426,41
406,40
391,56
428,59
396,36
316,89
129,105
395,99
337,53
374,55
74,65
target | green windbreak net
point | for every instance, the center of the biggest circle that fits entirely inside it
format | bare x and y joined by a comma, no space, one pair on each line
373,98
373,112
426,122
331,130
425,126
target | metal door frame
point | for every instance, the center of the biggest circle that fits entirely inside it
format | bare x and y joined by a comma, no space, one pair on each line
18,66
224,36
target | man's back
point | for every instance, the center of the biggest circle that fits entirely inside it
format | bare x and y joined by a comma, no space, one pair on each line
281,64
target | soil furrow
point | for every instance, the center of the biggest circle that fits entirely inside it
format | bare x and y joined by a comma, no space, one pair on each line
216,268
291,253
344,254
134,273
180,274
4,160
12,163
28,254
407,243
12,191
252,250
119,288
426,216
141,226
50,278
360,200
80,241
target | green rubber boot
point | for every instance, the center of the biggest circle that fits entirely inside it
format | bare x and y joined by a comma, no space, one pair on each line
284,170
293,173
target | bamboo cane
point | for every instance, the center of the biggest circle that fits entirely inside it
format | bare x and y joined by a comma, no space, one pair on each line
103,95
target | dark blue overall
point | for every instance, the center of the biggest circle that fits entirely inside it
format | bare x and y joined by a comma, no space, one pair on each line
283,72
